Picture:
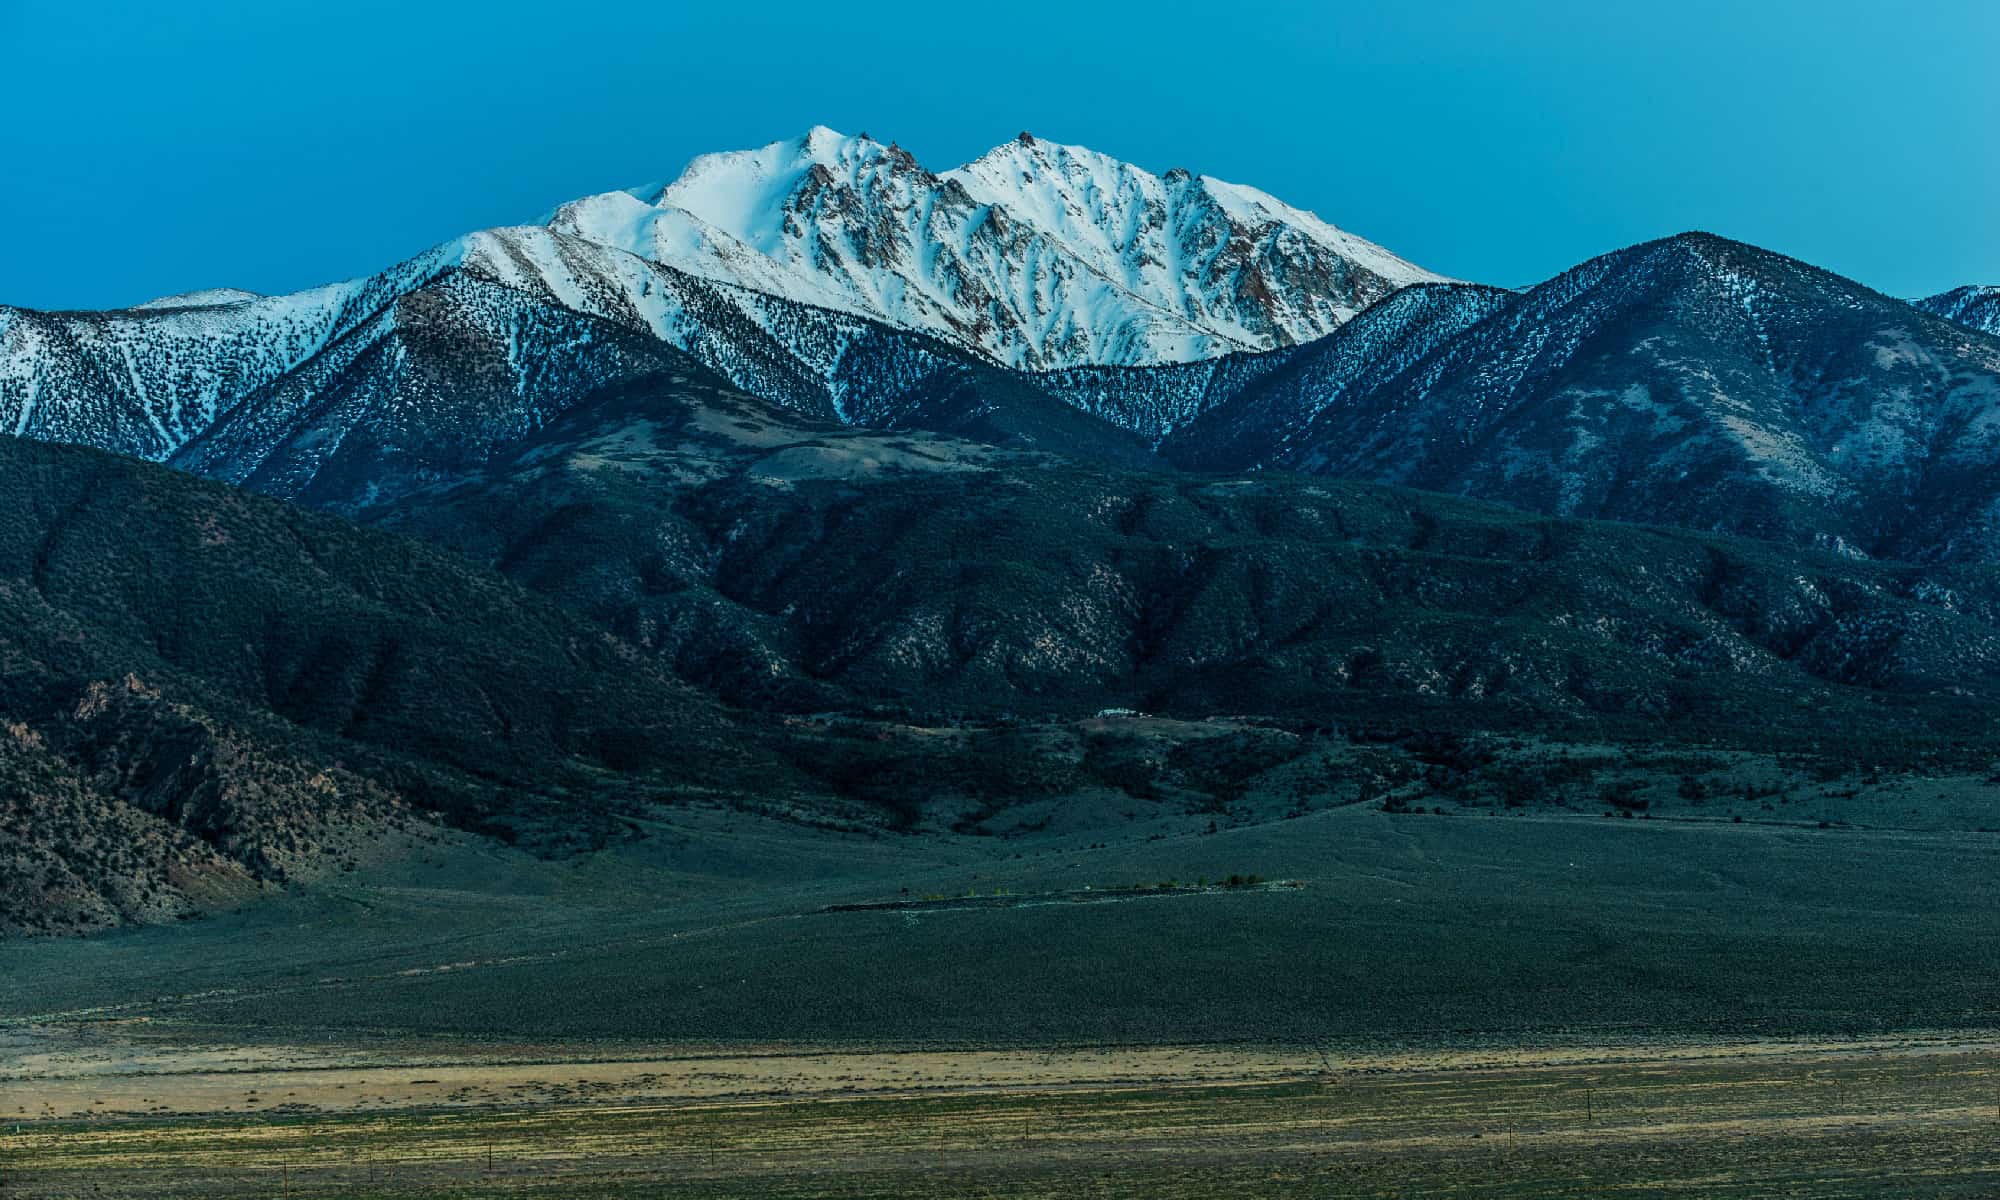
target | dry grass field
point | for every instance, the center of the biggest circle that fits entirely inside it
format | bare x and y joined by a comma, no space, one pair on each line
122,1113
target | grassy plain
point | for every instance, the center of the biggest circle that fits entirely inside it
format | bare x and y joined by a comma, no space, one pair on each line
1450,998
1406,926
1910,1117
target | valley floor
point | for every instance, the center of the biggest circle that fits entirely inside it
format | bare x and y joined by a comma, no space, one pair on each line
1466,1001
125,1111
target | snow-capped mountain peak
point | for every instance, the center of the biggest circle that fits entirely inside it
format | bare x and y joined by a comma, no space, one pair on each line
746,193
1036,254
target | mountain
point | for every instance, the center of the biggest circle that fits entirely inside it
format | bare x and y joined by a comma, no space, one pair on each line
1977,307
1692,381
142,381
832,275
794,566
1256,407
208,694
211,694
1036,255
431,364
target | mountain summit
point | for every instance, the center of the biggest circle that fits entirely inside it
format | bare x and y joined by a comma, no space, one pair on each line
1036,254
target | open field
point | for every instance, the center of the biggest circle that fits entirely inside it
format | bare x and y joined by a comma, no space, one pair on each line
1914,1116
115,1072
1467,1001
1419,927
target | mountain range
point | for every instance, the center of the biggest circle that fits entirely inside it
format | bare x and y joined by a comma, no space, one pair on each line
675,592
617,508
1051,298
804,271
1693,381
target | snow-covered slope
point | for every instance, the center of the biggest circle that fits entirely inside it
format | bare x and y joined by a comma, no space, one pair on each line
1691,381
527,309
1251,415
1977,307
831,274
142,381
495,334
202,298
1036,255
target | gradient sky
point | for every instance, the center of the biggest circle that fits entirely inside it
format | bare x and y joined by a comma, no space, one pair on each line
167,145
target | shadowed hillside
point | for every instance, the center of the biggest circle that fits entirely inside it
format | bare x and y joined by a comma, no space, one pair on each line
207,690
801,567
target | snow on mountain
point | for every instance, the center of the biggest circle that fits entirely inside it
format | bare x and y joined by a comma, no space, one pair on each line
1219,255
1977,307
203,298
431,364
501,331
1691,381
142,381
1036,255
1250,416
788,269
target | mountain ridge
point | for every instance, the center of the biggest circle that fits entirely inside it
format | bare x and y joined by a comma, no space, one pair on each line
1036,254
211,694
1694,380
1806,407
533,317
1976,306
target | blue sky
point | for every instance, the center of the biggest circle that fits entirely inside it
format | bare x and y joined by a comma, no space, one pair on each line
162,146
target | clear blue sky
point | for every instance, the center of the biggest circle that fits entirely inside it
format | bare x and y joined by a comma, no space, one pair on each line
158,146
